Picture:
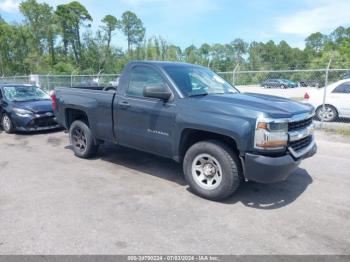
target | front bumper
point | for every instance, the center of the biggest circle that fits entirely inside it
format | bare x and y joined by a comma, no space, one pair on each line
34,123
265,169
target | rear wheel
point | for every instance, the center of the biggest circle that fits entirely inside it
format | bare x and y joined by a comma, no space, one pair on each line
82,140
327,114
7,124
212,170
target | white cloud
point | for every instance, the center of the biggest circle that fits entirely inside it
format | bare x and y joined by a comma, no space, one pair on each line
327,15
9,6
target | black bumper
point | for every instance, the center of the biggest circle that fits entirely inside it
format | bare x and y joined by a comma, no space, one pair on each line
264,169
34,123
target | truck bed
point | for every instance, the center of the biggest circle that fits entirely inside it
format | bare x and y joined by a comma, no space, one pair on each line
96,104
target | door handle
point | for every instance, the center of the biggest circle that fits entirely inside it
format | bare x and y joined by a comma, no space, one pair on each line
124,105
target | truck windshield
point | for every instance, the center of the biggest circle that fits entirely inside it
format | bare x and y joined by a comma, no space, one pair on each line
194,81
24,93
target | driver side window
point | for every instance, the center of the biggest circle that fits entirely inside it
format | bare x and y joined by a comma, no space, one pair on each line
142,76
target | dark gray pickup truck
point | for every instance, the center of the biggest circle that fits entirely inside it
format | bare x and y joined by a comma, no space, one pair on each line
188,113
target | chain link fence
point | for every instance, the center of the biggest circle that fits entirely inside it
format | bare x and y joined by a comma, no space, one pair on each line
49,82
293,84
304,78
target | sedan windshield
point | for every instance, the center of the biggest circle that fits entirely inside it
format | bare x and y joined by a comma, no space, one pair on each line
24,93
194,81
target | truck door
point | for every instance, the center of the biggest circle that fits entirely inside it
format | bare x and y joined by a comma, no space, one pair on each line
145,123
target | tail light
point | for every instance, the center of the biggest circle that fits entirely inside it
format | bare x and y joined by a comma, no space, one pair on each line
53,99
306,96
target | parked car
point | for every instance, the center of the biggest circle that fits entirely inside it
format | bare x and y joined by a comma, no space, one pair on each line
337,101
279,83
25,108
346,75
310,83
189,114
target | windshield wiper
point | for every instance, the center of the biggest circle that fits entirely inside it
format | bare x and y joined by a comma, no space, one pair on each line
37,99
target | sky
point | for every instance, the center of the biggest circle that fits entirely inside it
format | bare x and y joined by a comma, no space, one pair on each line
187,22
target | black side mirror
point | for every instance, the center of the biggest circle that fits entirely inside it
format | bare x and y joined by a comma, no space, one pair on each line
157,91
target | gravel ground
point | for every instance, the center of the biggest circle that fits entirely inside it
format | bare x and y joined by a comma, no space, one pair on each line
128,202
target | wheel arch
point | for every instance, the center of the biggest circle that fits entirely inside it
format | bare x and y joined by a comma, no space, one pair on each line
72,114
190,136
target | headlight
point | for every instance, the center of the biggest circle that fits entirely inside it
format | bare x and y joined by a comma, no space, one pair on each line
22,112
271,134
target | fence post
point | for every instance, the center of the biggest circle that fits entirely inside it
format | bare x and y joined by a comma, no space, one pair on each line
325,92
234,74
48,81
71,80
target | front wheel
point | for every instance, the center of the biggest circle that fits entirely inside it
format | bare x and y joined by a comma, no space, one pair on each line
327,114
212,170
7,124
82,140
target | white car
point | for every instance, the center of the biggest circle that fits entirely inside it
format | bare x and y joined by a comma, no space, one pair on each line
337,101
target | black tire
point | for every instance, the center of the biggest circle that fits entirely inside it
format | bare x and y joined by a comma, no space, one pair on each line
331,116
227,161
83,146
283,87
7,127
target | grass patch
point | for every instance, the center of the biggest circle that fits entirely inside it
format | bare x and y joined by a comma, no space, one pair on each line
299,99
343,132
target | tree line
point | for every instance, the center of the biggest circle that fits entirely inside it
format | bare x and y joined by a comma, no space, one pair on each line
60,41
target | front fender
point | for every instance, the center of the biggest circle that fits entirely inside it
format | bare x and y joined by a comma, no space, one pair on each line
239,129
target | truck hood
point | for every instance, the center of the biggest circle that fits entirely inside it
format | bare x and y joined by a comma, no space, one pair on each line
272,106
42,106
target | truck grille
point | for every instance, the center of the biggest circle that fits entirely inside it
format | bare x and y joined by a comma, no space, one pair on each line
300,144
292,126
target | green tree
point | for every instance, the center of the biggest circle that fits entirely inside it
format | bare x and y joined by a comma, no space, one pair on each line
71,17
240,48
316,42
133,29
110,25
41,21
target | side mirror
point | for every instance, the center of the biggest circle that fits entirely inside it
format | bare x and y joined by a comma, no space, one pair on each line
157,91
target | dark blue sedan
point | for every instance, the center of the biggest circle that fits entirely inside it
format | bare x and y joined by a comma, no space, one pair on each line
25,108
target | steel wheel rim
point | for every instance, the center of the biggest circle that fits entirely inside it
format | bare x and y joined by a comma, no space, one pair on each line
6,123
79,140
327,113
206,171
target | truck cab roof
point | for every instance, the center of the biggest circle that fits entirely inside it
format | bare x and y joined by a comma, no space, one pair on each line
163,63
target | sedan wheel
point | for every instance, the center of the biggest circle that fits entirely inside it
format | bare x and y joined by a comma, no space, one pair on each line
7,124
327,114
